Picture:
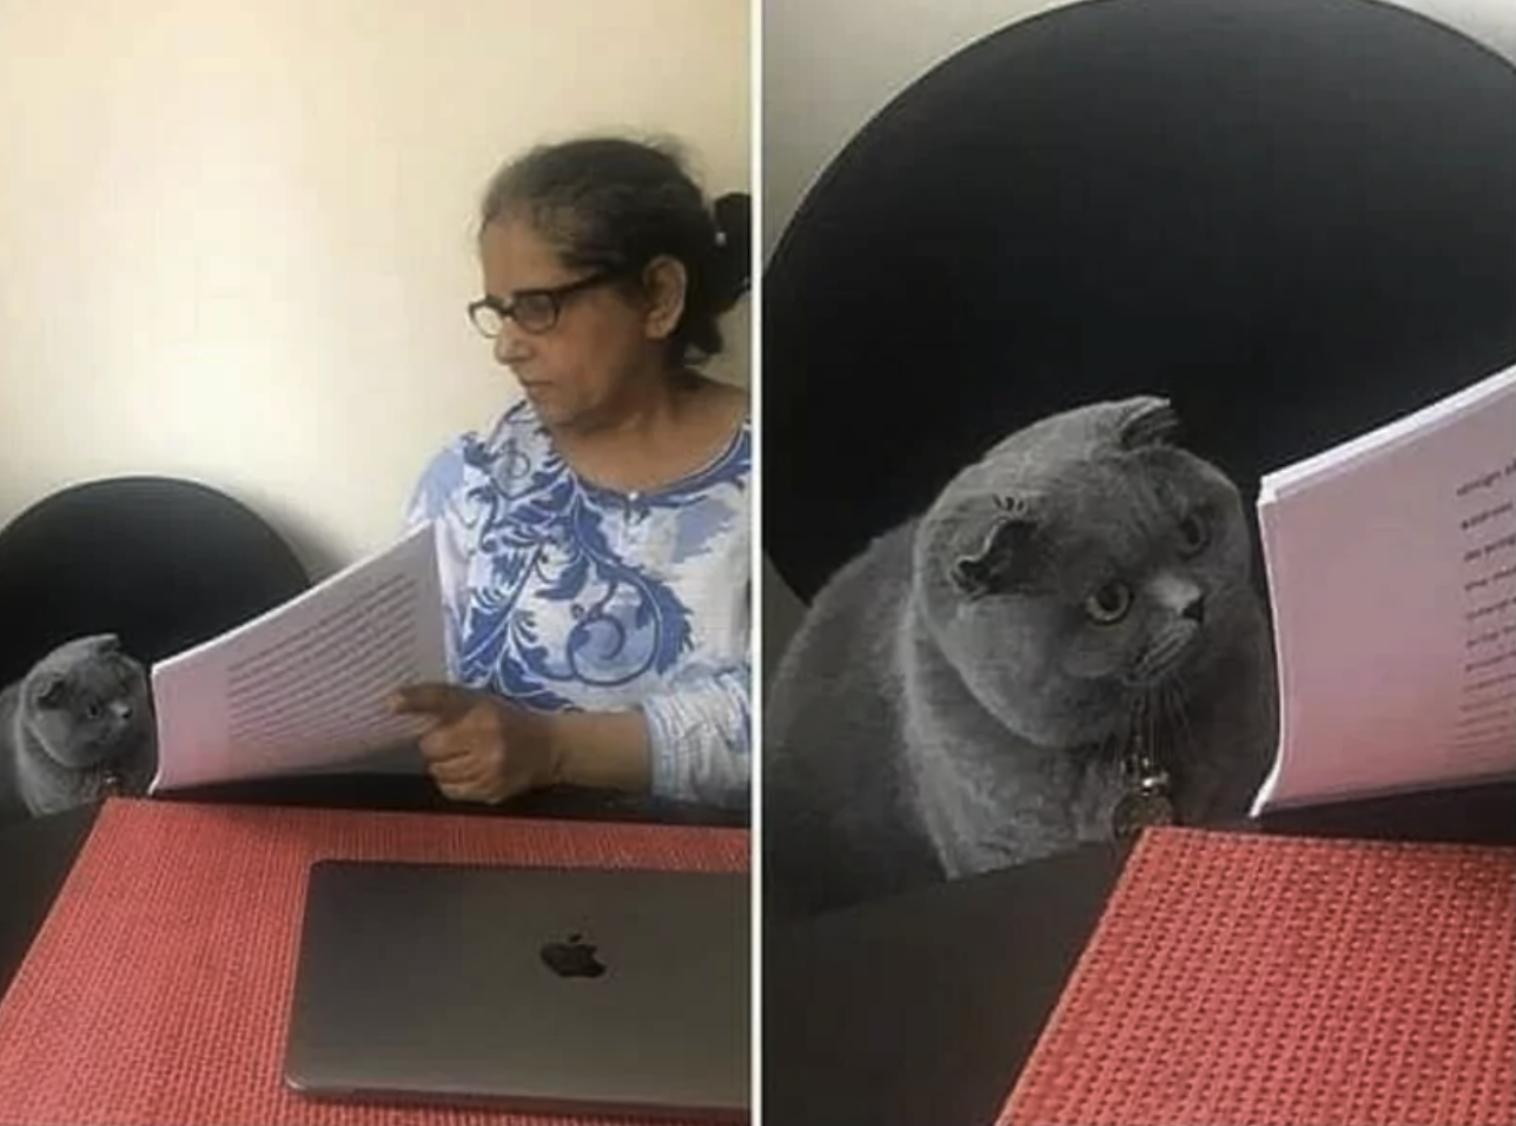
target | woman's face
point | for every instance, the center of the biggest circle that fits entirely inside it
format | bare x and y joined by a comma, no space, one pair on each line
603,342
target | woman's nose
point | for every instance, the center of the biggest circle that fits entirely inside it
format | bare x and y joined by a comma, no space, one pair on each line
508,345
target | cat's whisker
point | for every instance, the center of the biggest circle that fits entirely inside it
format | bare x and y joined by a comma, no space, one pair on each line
1179,724
1163,696
1153,750
1160,657
1109,744
1165,723
1134,722
1144,730
1182,711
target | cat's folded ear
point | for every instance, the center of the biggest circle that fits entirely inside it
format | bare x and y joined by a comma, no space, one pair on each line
50,690
103,643
1148,421
1001,559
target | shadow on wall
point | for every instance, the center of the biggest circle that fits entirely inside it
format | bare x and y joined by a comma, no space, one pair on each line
316,553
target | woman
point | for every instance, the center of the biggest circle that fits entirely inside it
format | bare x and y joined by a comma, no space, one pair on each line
595,543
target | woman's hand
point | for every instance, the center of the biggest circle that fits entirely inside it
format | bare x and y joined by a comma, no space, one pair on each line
480,746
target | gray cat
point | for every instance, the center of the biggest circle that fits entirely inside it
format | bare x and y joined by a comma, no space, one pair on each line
1067,640
76,728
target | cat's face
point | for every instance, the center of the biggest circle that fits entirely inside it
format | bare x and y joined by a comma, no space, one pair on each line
1072,597
88,702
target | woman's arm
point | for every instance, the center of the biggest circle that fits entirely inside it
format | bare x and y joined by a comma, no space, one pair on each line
605,750
699,738
692,743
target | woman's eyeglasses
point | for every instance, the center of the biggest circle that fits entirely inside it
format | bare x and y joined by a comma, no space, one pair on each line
535,310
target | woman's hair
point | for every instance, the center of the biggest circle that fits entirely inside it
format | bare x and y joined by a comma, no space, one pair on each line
608,203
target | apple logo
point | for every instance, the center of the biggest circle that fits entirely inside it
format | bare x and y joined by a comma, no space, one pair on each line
573,958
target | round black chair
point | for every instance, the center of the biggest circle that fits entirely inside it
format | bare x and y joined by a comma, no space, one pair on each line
1297,218
163,563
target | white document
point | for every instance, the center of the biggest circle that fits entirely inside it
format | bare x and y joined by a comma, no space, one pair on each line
303,687
1392,572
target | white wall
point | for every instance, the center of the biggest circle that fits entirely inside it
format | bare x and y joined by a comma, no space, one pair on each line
236,238
829,66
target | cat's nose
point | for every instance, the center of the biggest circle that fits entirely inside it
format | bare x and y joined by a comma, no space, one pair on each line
1180,596
122,709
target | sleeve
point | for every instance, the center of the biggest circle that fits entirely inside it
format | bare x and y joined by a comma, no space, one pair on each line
700,738
440,497
437,491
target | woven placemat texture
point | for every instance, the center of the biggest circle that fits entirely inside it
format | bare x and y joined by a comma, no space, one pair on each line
158,989
1254,980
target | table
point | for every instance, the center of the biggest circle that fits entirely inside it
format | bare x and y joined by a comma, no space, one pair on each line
921,1009
36,855
918,1009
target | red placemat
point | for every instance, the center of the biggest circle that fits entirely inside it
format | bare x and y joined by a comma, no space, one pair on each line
1275,981
158,989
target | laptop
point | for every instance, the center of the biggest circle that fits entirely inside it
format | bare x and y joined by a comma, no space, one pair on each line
567,991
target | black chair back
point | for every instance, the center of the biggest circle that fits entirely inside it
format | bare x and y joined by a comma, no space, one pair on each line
163,563
1295,217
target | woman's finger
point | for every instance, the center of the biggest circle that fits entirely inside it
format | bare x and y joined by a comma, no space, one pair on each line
460,791
440,700
459,769
441,746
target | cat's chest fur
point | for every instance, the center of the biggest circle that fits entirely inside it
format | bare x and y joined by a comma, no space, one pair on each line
986,797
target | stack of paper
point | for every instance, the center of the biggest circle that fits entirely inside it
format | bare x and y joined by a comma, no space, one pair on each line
1392,573
303,687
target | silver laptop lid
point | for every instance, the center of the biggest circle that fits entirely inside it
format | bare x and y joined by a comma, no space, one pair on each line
560,990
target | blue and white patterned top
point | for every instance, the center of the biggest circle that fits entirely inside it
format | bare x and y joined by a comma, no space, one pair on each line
563,595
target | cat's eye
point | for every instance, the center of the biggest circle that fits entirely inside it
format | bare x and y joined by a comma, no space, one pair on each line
1194,534
1109,604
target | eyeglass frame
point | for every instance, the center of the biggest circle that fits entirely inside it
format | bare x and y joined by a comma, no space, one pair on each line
555,295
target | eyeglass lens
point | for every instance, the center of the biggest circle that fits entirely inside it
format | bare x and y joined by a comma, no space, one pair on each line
534,312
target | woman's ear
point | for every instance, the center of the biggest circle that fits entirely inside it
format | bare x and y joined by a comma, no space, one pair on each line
665,282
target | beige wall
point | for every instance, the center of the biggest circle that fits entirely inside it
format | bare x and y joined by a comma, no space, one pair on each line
831,65
235,238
